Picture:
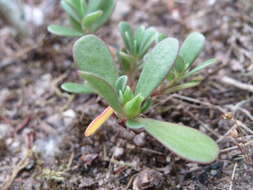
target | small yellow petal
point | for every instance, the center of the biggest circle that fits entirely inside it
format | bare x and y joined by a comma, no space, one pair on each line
98,121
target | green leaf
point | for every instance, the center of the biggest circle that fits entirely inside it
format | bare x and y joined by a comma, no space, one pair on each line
64,31
93,5
127,35
83,6
133,124
90,18
182,86
127,95
145,106
192,47
93,56
133,107
160,37
180,65
200,67
104,89
171,75
150,36
157,64
126,60
107,6
139,36
186,142
121,83
70,11
76,88
77,5
76,25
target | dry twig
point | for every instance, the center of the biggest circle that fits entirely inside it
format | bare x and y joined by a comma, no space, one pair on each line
233,176
236,83
20,166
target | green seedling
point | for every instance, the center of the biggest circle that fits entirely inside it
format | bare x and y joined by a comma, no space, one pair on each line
85,16
163,68
136,44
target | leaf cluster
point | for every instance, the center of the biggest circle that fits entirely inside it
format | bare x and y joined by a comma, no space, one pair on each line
85,16
136,43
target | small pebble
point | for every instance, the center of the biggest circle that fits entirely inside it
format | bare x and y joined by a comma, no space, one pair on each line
139,139
148,179
118,152
5,130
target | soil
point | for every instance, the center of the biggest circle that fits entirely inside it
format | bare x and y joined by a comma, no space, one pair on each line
42,145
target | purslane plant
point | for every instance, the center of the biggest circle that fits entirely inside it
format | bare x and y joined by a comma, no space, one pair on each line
85,16
163,69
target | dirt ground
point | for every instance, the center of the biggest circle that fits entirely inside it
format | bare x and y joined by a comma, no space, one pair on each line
42,145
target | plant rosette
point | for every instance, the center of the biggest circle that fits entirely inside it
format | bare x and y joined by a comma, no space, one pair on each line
161,65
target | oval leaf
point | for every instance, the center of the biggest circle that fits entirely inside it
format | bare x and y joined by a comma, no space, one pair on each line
64,31
90,18
93,56
192,47
104,89
157,64
186,142
76,88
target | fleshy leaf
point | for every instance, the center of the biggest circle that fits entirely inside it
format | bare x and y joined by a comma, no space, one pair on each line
161,37
76,88
104,89
180,65
76,25
70,10
93,56
90,18
150,36
98,121
157,64
133,124
107,6
186,142
146,104
139,35
200,67
78,5
126,60
182,86
127,95
64,31
133,107
192,47
127,35
121,83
